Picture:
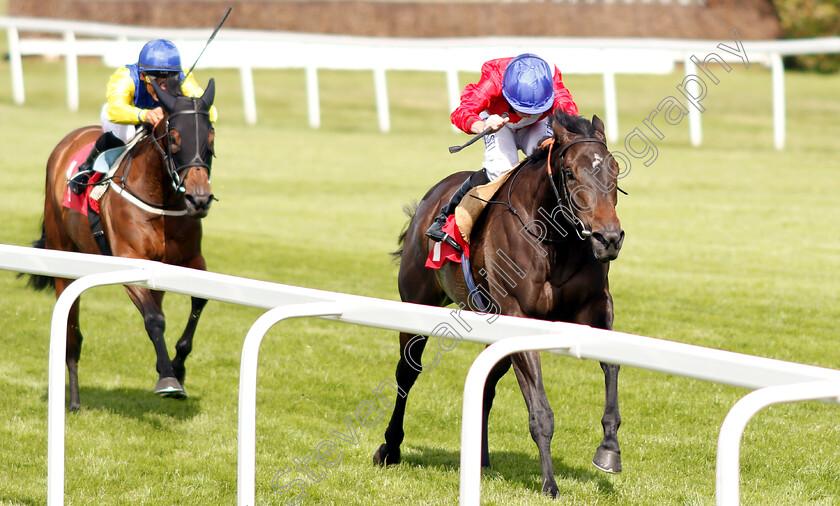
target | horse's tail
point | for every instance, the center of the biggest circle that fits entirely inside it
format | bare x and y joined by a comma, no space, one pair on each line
39,281
410,210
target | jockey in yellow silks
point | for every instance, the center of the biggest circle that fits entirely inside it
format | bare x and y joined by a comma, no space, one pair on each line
131,100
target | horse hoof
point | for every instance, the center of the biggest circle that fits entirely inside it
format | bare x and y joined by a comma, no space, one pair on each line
381,457
607,461
170,388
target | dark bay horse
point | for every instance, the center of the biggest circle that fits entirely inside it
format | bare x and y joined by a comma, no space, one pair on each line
555,221
152,210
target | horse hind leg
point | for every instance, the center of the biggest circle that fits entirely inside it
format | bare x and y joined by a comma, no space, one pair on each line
184,345
493,378
408,368
74,348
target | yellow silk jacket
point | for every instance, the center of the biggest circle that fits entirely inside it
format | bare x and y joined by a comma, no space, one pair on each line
121,94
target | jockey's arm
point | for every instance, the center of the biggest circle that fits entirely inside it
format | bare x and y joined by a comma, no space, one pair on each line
120,95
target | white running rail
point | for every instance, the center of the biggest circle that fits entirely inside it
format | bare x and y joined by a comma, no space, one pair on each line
284,301
247,50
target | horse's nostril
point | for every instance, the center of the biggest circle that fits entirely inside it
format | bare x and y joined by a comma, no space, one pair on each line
609,238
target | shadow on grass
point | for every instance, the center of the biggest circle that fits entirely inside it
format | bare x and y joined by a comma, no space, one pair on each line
138,404
511,466
17,500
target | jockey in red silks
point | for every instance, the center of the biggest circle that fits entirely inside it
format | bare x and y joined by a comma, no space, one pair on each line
131,100
529,91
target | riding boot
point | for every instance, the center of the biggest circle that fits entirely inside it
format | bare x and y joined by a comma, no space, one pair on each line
436,232
78,183
106,141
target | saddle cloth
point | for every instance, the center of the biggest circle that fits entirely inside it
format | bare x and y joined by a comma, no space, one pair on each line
81,202
460,224
101,166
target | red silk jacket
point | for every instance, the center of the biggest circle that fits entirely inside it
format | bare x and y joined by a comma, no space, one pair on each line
486,95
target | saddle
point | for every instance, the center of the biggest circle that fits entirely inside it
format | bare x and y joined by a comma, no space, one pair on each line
88,202
460,224
474,202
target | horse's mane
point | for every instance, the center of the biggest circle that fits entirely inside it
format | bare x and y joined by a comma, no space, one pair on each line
173,85
574,124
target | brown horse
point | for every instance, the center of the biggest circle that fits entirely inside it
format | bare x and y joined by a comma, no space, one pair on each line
157,196
544,250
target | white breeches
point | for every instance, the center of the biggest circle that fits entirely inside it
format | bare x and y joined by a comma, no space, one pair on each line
501,149
124,132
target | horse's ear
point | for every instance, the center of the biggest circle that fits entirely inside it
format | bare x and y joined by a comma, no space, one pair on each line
598,124
209,93
560,131
165,98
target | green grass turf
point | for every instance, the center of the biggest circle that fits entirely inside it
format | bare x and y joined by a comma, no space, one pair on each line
732,245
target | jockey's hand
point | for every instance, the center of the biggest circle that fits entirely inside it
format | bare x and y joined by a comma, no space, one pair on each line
153,116
495,122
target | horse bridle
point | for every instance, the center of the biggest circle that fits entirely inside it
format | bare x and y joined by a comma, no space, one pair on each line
175,173
568,213
580,227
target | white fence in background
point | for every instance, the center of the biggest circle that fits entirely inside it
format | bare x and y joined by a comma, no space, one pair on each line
777,381
247,50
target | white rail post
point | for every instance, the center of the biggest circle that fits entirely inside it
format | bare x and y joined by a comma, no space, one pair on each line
453,92
383,111
728,472
246,460
71,58
778,69
58,350
473,406
249,101
610,106
15,64
313,100
695,127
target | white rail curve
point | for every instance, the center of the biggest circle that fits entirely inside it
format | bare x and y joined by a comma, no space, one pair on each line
284,301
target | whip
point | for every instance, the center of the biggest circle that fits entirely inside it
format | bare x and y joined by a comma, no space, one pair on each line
212,36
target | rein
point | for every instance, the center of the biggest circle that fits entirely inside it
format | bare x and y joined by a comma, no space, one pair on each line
580,228
125,191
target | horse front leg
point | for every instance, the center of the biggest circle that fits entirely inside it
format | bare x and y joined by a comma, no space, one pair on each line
608,456
184,345
540,416
409,367
149,303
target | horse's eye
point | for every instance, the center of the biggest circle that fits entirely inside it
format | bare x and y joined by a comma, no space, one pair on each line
174,141
570,175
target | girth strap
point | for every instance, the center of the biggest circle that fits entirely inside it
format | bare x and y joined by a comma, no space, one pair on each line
98,233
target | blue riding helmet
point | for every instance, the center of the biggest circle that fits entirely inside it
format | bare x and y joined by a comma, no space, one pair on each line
159,55
528,84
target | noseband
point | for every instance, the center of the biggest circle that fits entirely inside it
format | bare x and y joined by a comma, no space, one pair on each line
580,227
